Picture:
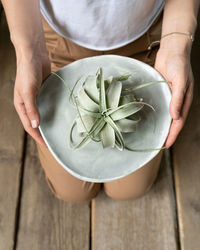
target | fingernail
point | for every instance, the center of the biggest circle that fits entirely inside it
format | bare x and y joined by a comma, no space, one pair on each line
34,124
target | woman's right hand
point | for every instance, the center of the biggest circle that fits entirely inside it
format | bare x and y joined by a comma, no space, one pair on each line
32,68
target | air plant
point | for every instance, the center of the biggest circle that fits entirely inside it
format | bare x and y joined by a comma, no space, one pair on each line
106,110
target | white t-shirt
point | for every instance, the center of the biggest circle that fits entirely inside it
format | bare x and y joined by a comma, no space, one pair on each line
101,24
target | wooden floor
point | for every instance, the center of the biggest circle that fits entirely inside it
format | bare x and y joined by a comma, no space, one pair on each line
31,218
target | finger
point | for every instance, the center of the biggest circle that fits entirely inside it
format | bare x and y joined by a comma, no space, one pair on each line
177,125
34,132
29,100
179,90
21,110
175,129
178,94
188,98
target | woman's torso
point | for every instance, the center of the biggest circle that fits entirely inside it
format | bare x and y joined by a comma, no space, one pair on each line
101,24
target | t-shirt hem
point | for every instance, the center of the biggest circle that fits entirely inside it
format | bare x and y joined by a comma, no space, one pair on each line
99,48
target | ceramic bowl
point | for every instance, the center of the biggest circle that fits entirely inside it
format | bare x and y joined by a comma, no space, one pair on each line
93,163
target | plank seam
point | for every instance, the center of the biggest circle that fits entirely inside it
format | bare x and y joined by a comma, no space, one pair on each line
18,207
90,230
175,198
92,211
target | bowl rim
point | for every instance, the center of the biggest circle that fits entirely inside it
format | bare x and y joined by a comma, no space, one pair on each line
69,170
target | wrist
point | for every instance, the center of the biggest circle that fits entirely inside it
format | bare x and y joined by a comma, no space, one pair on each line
176,42
26,51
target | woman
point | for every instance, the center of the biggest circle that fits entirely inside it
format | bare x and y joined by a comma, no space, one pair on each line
76,30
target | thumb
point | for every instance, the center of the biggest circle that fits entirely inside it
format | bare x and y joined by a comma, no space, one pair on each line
31,108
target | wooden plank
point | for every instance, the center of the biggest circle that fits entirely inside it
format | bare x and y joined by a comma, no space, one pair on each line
143,224
186,154
11,141
45,221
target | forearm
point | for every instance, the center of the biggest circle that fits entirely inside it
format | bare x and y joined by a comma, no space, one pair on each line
25,25
179,16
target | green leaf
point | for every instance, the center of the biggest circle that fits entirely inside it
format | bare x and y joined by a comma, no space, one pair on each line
125,110
84,119
97,126
102,96
126,125
83,123
123,77
113,94
144,150
90,87
142,86
117,131
135,117
86,101
127,98
107,135
72,91
85,111
108,81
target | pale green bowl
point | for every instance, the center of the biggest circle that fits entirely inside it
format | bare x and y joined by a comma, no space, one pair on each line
93,163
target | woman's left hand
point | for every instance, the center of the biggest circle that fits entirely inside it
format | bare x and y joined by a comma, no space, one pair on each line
175,67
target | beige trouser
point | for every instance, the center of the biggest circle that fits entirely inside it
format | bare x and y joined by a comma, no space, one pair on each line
65,186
